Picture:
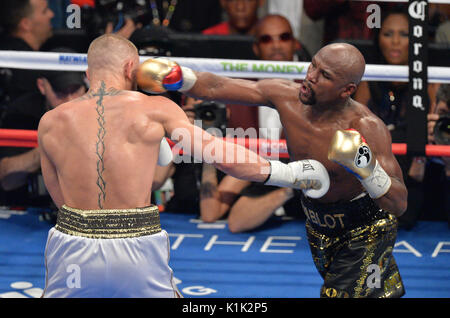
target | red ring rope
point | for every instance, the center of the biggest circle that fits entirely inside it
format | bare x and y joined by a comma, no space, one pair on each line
28,139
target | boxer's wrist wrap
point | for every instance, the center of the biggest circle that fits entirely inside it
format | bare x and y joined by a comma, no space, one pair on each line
280,175
189,79
378,182
165,153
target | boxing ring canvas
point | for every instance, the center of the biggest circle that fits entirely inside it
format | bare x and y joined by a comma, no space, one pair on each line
211,262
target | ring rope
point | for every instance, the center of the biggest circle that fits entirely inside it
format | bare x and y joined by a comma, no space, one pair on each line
429,1
267,147
52,61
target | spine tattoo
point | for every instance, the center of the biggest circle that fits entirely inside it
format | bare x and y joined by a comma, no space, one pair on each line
100,145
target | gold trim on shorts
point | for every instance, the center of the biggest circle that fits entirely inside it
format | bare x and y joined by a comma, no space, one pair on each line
109,224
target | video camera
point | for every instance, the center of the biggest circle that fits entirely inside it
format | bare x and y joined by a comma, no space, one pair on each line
116,12
212,115
442,130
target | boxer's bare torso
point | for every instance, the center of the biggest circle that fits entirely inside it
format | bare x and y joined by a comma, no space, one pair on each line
309,132
104,146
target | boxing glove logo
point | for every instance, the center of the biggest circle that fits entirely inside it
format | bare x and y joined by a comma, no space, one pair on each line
363,156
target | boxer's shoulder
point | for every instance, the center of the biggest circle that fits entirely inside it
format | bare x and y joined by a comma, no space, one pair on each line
52,115
363,118
367,122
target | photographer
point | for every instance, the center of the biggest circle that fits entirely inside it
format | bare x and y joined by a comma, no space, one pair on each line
438,170
103,17
441,111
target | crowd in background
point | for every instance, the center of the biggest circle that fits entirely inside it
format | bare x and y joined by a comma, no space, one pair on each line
281,30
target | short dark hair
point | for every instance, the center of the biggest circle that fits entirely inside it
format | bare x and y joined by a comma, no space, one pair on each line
11,12
443,94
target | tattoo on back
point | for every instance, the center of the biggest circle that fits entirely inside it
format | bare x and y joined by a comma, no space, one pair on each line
100,144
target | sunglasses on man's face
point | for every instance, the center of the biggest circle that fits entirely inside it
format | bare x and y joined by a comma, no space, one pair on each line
266,38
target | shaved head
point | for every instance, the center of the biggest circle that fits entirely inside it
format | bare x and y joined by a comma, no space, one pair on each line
271,18
109,53
346,60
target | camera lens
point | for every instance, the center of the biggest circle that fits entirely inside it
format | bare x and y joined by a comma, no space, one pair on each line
442,130
208,115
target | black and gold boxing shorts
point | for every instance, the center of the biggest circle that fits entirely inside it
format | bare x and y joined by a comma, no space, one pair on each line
351,245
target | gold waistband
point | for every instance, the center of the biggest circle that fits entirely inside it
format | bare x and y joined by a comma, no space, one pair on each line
109,224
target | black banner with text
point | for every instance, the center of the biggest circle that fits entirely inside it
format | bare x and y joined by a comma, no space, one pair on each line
418,78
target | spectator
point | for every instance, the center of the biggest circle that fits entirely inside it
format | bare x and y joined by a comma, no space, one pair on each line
181,16
242,18
19,167
437,178
196,15
442,108
344,19
59,8
94,26
246,205
443,33
389,101
291,9
275,41
439,23
27,26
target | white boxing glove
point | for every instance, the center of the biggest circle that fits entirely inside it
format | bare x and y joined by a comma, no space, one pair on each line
165,153
308,175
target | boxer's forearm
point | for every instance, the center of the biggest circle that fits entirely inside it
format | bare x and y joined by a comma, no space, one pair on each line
160,75
231,158
256,170
209,86
395,200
